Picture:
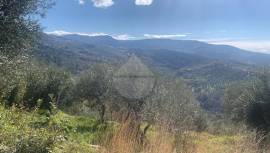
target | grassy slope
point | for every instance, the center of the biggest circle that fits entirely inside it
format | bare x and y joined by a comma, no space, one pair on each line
68,133
76,134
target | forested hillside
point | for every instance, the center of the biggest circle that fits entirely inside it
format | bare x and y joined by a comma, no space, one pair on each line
206,73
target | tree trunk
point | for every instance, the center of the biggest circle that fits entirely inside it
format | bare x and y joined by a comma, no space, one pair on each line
102,113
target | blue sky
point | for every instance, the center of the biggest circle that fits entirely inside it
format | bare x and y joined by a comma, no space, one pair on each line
242,23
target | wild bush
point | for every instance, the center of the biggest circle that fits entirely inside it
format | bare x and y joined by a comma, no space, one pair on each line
258,103
33,83
19,135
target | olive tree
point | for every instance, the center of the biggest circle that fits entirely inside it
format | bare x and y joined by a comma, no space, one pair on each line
257,103
250,102
93,85
234,107
173,106
172,102
19,27
19,31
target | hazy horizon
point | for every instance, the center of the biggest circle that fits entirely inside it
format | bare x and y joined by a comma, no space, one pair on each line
239,23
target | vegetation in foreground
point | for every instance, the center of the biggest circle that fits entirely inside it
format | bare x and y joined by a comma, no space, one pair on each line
29,132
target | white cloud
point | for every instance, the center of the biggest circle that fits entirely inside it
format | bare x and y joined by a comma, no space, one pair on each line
59,33
81,2
124,37
92,34
143,2
262,46
151,36
103,3
108,3
63,33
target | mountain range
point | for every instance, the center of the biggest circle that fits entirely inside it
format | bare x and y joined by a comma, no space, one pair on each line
77,51
204,66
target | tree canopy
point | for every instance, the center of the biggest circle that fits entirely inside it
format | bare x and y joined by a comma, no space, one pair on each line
19,27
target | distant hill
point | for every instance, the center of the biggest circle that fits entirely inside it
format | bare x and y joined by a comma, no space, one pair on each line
77,52
203,66
220,52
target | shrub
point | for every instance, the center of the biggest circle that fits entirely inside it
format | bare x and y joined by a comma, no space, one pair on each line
18,134
32,83
257,103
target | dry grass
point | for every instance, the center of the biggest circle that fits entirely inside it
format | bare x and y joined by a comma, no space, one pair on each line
123,140
127,139
161,141
242,143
